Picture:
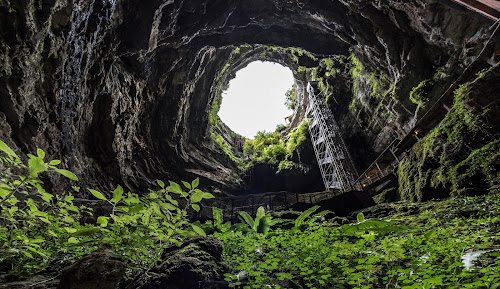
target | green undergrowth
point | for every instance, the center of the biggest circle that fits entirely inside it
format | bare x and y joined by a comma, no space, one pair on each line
459,156
325,73
446,244
41,230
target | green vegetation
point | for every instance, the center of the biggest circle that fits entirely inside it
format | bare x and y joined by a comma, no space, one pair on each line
293,52
459,155
226,148
357,71
290,98
326,71
270,148
447,244
380,84
222,85
213,117
39,229
418,94
261,224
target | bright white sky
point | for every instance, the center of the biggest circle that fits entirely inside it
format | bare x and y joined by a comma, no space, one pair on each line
255,99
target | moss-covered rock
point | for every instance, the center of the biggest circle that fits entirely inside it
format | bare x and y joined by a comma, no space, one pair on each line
196,264
461,154
101,269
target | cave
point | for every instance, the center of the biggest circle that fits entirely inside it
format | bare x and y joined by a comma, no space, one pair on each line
127,93
121,92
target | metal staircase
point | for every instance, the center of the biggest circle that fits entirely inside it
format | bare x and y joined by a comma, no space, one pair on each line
333,158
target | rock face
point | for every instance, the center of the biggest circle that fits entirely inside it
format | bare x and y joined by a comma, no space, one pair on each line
121,90
197,264
97,269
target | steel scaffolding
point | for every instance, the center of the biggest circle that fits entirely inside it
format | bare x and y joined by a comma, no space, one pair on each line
333,158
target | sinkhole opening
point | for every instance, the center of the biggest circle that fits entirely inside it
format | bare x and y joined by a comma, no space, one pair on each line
256,97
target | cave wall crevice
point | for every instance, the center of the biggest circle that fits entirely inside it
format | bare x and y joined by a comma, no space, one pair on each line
134,105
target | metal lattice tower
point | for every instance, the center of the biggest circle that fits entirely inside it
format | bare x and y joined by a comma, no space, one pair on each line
333,158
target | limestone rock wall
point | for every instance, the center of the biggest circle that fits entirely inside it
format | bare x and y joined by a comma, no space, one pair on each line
121,90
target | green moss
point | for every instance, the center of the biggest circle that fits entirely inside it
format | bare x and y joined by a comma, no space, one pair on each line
356,71
214,110
226,148
381,87
419,94
480,170
456,156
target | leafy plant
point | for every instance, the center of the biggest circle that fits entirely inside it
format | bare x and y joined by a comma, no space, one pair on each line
376,253
306,219
290,98
217,225
262,223
38,228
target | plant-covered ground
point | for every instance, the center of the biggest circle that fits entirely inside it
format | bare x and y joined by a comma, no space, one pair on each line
453,243
40,230
440,244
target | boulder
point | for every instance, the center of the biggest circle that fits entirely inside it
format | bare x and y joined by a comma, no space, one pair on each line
101,269
196,264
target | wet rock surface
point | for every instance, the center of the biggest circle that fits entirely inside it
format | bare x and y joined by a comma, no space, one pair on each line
121,90
196,264
100,269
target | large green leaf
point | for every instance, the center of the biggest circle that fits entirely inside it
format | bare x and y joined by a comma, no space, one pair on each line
67,174
6,149
264,225
36,165
54,162
5,191
40,153
261,212
300,220
187,185
103,221
360,217
198,230
117,194
218,217
195,183
248,219
196,197
73,240
98,194
208,196
175,188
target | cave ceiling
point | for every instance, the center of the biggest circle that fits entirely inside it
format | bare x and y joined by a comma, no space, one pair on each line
151,67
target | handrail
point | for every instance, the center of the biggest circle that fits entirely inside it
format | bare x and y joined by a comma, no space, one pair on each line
381,155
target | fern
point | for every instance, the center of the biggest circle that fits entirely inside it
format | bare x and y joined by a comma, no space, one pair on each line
247,219
304,215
